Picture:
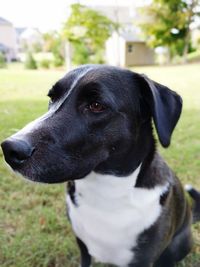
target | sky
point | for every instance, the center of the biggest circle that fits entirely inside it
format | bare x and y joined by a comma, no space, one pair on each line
46,14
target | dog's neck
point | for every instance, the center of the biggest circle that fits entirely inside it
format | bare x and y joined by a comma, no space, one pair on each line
106,185
139,152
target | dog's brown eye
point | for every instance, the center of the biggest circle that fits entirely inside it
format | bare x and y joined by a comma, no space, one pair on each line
96,107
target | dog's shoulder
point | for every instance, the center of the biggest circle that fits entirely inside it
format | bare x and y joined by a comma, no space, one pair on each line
155,173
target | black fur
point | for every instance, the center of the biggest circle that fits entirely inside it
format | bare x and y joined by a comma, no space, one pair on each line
85,256
116,139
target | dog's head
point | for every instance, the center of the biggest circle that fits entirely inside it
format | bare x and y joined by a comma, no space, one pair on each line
98,117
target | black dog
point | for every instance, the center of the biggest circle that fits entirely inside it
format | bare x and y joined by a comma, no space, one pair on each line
126,206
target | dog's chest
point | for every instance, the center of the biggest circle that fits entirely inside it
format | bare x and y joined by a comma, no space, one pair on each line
110,215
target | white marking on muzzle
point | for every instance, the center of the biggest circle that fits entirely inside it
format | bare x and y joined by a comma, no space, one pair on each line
36,123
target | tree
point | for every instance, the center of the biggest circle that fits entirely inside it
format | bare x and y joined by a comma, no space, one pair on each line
2,60
30,62
168,24
53,42
87,30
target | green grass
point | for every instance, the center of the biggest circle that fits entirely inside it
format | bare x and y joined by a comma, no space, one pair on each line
33,226
194,56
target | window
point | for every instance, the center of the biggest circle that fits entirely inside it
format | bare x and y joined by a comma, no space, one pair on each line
130,48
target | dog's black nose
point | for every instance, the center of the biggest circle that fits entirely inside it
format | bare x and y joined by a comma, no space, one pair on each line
16,151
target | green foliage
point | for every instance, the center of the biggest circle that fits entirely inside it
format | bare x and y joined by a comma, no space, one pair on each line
87,30
53,42
194,57
81,53
198,42
58,61
30,62
168,24
45,63
37,47
2,61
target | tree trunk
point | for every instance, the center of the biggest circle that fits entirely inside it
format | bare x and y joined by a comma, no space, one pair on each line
186,46
194,3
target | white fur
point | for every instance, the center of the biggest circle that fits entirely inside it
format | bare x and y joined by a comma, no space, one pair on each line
36,123
111,213
188,187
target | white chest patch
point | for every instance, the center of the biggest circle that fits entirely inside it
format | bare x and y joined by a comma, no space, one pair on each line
111,213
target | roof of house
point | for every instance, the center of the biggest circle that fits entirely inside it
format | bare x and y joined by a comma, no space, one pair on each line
20,30
5,22
132,36
120,15
28,32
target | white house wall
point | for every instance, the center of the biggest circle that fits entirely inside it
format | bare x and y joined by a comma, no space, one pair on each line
122,54
115,50
8,38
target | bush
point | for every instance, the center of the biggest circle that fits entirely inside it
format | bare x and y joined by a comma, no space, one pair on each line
2,60
30,62
98,57
58,61
45,63
81,53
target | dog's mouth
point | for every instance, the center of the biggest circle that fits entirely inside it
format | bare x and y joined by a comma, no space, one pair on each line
26,160
41,158
44,172
49,177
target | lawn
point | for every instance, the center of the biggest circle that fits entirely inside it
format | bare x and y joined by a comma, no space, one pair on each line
33,226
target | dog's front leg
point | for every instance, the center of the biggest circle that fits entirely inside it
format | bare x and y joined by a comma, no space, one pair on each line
141,265
85,256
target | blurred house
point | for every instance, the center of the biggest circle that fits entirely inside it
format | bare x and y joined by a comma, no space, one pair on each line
8,40
29,39
126,47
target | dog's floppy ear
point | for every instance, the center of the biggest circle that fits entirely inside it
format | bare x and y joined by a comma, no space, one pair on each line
165,106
